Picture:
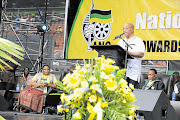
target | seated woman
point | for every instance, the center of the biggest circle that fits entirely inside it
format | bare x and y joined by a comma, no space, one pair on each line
32,96
27,77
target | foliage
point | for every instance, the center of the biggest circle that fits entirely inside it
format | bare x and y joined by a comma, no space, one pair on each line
98,92
7,46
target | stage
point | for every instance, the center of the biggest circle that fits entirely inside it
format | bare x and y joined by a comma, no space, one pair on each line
13,115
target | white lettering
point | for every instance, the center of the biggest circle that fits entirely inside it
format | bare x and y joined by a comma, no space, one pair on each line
168,19
175,22
161,20
153,22
141,21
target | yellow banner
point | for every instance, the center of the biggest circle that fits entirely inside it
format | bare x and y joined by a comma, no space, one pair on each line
157,23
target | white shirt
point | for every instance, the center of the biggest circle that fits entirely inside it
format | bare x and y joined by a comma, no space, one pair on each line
133,65
176,89
28,80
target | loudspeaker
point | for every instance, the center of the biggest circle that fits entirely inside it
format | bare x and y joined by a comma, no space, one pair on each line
176,106
154,105
3,104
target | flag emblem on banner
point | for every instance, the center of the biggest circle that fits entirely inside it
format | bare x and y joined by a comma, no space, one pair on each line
100,16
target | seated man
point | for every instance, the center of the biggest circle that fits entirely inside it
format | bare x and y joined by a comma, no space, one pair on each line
152,82
177,86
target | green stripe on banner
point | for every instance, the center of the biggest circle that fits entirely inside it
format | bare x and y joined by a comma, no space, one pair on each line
170,72
100,16
77,13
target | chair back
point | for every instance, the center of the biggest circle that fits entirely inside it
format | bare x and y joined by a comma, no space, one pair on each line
168,81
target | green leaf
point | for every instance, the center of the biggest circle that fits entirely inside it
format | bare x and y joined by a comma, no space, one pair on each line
55,93
7,46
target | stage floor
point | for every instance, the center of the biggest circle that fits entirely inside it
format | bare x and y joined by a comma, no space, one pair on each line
11,115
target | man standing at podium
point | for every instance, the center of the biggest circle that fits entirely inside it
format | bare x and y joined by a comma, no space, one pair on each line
136,50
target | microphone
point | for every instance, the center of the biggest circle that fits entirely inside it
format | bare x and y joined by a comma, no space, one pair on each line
119,36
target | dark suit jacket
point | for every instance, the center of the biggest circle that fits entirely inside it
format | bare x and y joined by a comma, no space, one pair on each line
156,85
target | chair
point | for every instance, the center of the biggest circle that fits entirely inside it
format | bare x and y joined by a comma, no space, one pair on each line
52,97
51,100
168,81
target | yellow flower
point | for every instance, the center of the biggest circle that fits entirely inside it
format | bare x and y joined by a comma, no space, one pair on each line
89,107
73,105
132,110
59,108
123,115
78,67
66,78
130,117
107,68
104,104
68,102
67,110
78,93
131,86
94,87
70,97
87,65
93,79
110,61
84,84
116,67
84,70
125,91
122,71
88,94
73,81
104,76
111,85
123,82
111,76
77,115
90,100
93,98
132,96
63,97
124,101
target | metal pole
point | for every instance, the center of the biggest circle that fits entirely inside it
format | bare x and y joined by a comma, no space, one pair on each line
18,39
39,57
40,60
65,27
167,68
37,60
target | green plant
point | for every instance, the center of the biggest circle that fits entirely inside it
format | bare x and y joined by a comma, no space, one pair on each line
7,46
99,92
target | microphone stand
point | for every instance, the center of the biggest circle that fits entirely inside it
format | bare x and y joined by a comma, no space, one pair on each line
127,46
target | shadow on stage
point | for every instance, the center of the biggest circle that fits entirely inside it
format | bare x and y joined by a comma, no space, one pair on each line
13,115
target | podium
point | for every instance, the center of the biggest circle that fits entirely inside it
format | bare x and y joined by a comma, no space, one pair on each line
114,52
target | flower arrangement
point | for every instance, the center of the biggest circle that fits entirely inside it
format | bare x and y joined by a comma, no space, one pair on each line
97,90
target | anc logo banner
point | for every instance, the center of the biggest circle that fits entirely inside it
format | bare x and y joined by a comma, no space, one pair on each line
97,22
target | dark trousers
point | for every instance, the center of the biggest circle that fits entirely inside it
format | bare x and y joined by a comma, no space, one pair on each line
8,94
135,83
7,86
